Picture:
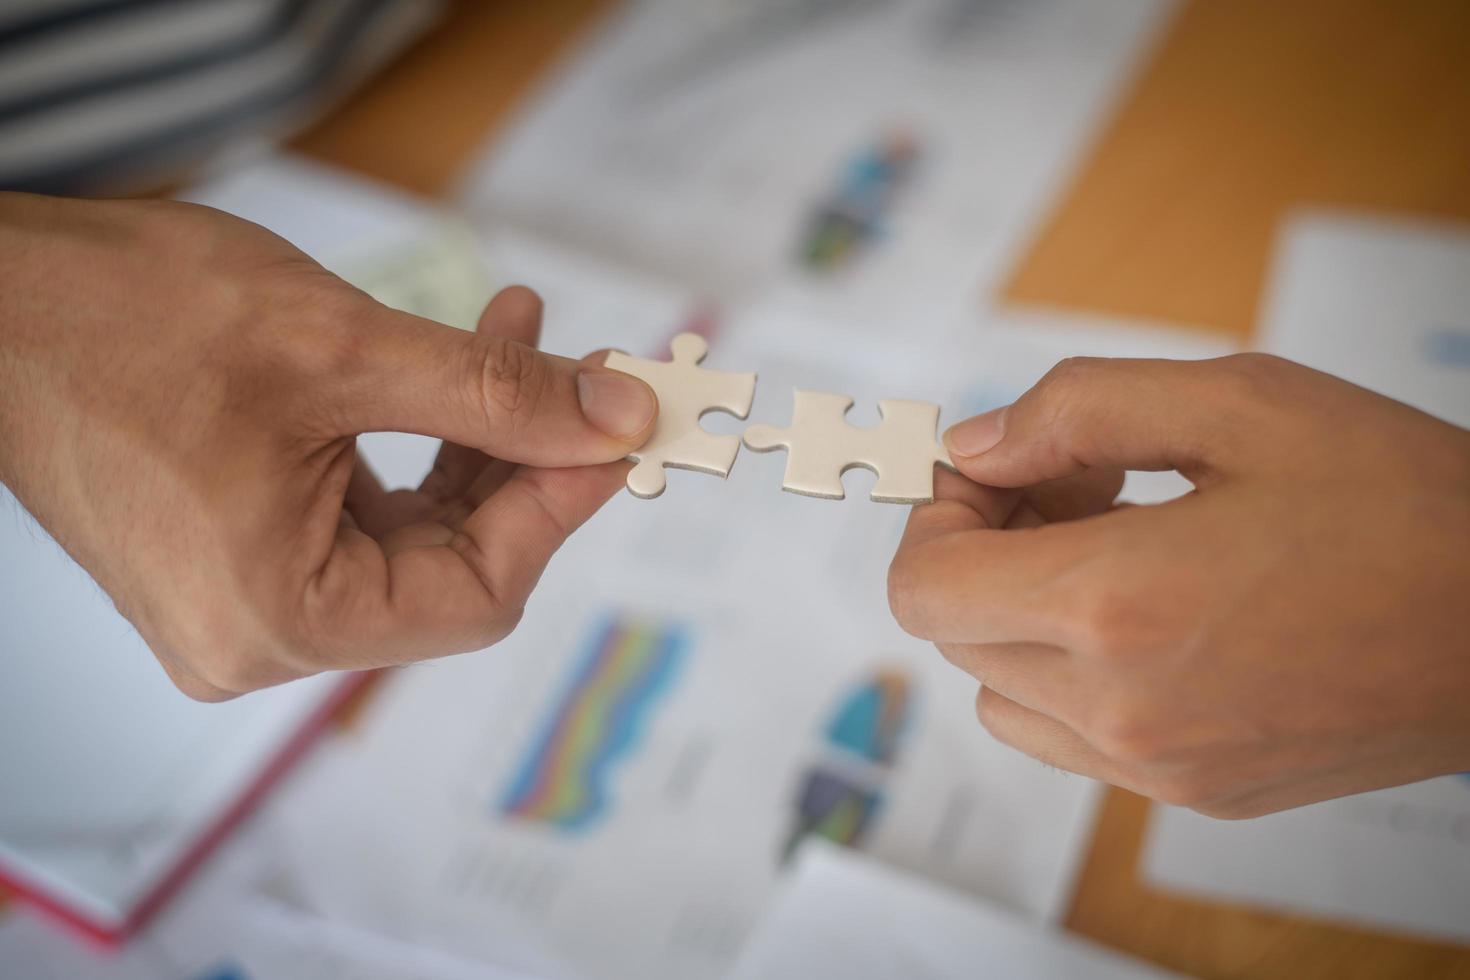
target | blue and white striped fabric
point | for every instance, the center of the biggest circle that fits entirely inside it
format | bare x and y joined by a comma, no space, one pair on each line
99,95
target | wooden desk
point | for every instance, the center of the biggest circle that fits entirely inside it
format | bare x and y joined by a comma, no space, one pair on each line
1246,109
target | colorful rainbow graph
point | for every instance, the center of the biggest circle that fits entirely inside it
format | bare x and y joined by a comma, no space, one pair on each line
563,780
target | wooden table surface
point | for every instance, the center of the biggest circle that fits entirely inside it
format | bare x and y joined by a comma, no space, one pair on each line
1245,109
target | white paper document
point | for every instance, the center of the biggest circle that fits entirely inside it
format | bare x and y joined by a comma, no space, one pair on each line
879,160
109,777
1386,304
845,917
1383,302
226,926
402,250
615,789
1397,859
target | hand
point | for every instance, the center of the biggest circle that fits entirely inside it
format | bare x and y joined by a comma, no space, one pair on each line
1295,629
179,396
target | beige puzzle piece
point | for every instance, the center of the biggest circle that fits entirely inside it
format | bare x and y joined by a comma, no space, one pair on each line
686,392
822,445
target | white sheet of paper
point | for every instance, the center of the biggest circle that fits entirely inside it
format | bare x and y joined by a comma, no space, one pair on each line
1397,859
699,139
656,861
1386,304
1383,302
226,927
405,252
840,914
109,774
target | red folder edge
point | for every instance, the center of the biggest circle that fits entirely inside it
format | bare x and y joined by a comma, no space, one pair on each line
37,896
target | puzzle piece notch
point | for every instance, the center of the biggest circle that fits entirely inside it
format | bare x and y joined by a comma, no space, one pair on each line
686,392
821,445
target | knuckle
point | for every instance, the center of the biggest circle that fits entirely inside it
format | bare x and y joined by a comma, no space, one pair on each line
322,631
200,664
185,230
906,590
958,654
509,379
198,690
241,648
1071,371
1129,745
501,624
990,712
193,687
1129,733
1230,809
232,671
334,345
1065,395
1186,790
1251,378
1060,388
499,611
325,629
1114,621
1253,363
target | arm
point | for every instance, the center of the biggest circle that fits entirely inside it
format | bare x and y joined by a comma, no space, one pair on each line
180,393
1296,629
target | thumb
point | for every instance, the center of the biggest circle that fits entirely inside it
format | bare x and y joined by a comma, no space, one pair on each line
492,393
1107,412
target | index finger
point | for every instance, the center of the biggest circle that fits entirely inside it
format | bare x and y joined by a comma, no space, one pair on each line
430,590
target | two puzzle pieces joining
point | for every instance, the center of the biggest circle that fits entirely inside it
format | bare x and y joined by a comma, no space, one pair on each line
820,444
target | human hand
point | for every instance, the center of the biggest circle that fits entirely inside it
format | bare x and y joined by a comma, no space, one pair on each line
179,395
1295,629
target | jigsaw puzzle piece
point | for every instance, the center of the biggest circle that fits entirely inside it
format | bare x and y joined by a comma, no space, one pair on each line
905,449
821,445
686,392
817,450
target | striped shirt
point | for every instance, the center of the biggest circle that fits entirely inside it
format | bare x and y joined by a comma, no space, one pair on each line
104,95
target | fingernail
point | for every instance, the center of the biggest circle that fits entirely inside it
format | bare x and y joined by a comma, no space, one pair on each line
978,435
616,403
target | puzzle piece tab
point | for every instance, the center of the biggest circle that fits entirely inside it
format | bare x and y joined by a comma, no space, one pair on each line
821,445
685,393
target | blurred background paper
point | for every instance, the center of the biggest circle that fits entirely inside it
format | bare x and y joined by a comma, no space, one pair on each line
227,926
841,915
1381,301
1384,303
871,160
617,787
402,250
1398,858
113,782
